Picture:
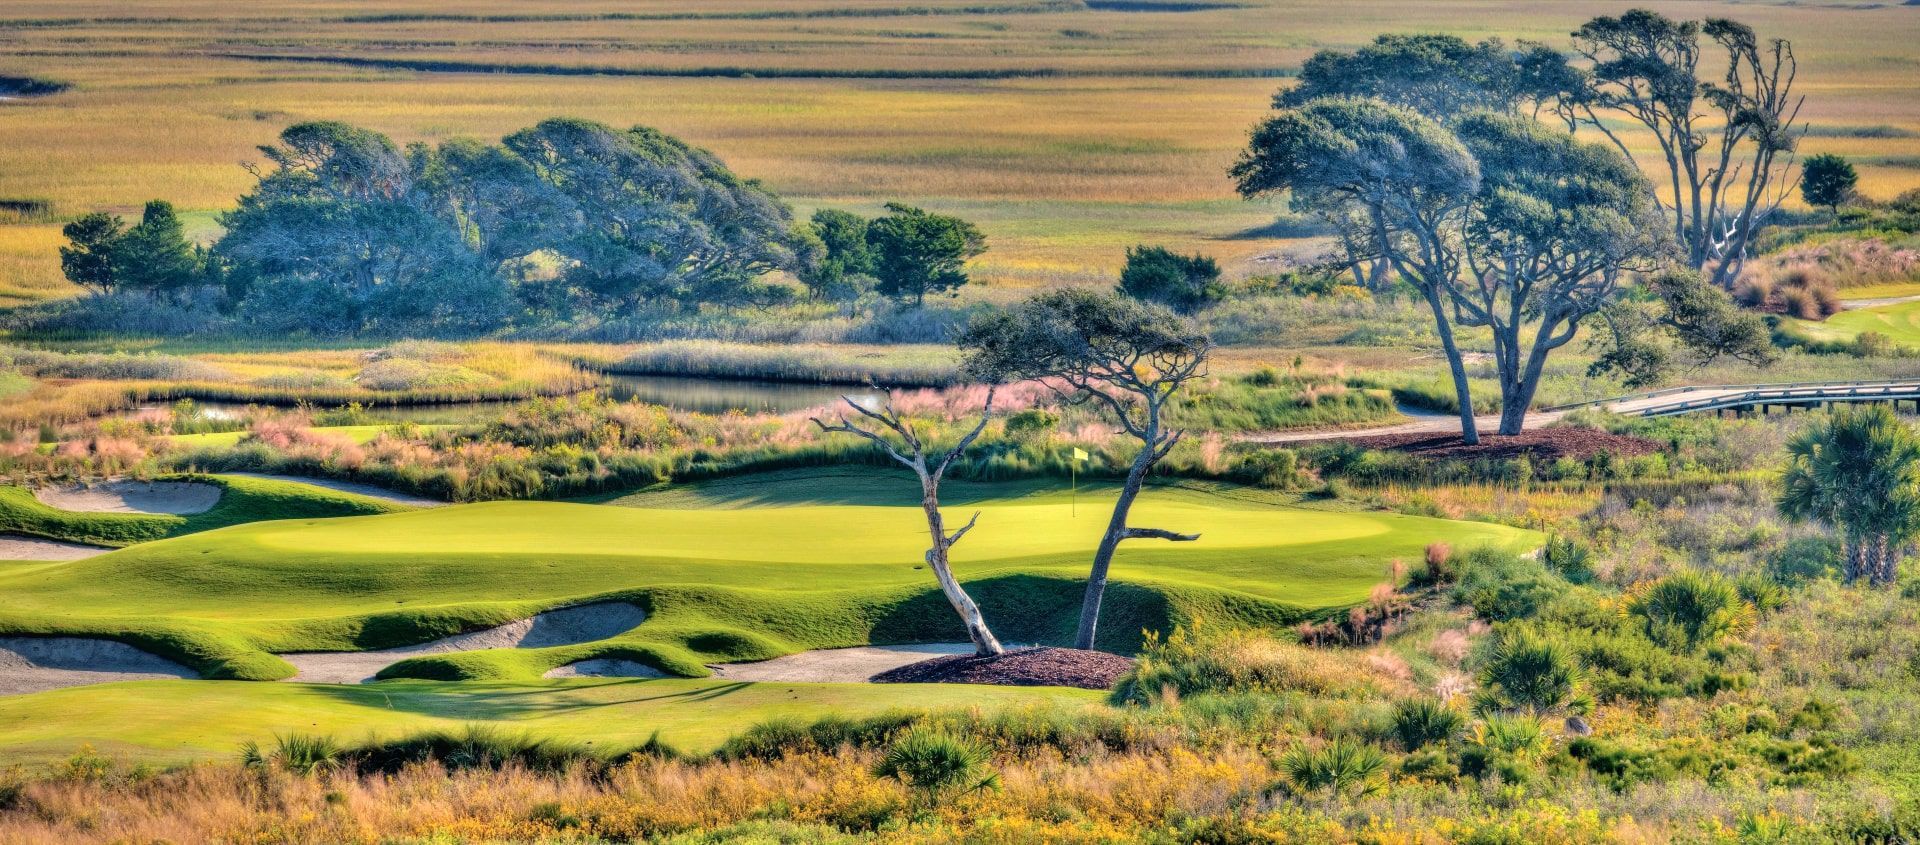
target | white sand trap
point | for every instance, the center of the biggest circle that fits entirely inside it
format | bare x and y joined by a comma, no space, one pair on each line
17,547
128,496
837,665
367,490
33,664
606,668
567,626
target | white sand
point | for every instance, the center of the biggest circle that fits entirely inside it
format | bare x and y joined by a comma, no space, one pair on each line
128,496
367,490
567,626
606,668
837,665
33,664
18,547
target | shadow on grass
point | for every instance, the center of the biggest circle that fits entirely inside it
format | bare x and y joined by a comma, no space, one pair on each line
487,701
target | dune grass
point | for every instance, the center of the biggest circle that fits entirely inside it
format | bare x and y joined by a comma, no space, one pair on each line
174,721
719,584
242,500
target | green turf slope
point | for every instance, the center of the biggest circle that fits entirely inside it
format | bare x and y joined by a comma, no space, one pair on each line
174,721
242,500
718,584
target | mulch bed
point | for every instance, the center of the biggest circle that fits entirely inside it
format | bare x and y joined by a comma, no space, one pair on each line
1039,666
1538,444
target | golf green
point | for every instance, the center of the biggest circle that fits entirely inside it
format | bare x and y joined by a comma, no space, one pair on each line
782,574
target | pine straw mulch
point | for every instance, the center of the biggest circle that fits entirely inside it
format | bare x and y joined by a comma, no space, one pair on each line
1037,666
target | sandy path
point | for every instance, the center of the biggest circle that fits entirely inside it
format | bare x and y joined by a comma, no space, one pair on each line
128,496
367,490
836,665
567,626
1423,423
18,547
33,664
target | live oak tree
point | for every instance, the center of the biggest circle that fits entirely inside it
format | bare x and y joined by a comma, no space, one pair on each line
883,427
1127,357
1678,320
1725,140
1181,282
1549,234
1401,180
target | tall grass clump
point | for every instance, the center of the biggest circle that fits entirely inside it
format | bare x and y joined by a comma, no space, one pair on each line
887,366
1199,659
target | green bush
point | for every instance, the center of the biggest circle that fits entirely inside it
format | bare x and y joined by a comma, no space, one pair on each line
1420,722
1342,767
1528,672
935,764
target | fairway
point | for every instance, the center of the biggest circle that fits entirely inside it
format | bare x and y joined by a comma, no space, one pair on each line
174,721
732,583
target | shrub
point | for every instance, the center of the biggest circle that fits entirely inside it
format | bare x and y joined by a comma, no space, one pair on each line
1198,660
303,754
1501,585
1278,469
1528,672
1420,722
935,764
1687,610
1339,768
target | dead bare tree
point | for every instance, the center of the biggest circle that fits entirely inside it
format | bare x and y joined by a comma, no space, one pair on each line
913,454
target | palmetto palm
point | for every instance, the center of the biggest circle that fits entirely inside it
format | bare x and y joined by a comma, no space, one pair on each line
1858,472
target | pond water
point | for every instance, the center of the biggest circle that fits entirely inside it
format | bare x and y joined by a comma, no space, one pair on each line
699,395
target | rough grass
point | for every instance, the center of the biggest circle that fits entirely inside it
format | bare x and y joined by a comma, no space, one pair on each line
175,721
242,500
719,584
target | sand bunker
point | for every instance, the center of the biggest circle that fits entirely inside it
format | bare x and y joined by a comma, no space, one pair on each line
837,665
606,668
127,496
33,664
567,626
367,490
17,547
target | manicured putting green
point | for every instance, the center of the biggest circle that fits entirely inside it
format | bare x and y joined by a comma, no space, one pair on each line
785,574
242,500
173,721
1900,322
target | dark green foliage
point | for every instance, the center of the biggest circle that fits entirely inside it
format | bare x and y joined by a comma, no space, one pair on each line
936,764
1341,767
1569,557
1618,765
154,256
1276,468
1678,319
473,747
1503,586
1827,179
302,754
91,258
1689,610
845,266
1420,722
1181,282
1441,76
1528,672
916,252
1858,471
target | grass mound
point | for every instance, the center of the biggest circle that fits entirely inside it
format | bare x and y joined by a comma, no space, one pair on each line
242,500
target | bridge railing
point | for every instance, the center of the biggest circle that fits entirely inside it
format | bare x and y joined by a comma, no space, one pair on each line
1829,392
1744,388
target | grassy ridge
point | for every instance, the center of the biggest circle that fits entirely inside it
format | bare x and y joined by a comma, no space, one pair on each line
174,721
739,584
242,500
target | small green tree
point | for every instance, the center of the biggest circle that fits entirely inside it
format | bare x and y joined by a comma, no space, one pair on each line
1528,672
846,258
916,252
91,258
1181,282
154,255
1687,610
1827,179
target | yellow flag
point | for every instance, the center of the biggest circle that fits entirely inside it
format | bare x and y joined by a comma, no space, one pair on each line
1079,454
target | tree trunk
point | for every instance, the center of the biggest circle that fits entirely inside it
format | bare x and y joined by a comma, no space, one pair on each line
1103,556
1518,398
1853,552
1469,430
984,642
